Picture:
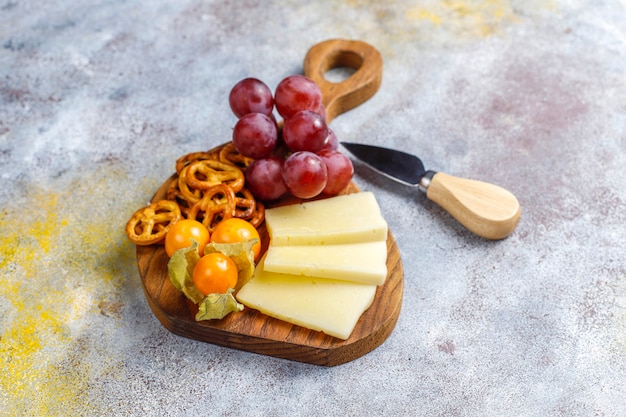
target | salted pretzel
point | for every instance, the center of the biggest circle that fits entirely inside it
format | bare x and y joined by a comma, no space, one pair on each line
204,174
174,194
229,154
245,204
217,204
185,160
191,195
149,224
258,216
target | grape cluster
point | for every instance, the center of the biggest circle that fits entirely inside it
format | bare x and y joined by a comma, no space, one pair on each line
301,157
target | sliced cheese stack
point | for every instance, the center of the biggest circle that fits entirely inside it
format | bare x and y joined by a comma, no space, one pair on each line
323,264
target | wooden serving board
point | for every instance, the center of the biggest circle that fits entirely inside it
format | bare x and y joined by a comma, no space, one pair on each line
250,330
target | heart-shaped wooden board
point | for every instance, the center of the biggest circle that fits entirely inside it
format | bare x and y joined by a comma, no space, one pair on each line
250,330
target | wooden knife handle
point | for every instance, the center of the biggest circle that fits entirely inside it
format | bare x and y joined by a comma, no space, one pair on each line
486,209
340,97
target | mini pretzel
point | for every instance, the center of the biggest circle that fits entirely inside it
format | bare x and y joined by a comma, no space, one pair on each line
217,204
258,216
230,155
174,194
191,195
149,225
245,204
204,174
185,160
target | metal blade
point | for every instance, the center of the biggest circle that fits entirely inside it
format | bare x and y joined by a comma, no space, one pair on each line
399,166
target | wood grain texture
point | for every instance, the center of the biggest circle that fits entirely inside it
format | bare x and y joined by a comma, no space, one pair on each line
486,209
251,330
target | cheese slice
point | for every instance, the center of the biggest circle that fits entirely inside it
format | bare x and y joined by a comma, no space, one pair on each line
357,262
336,220
330,306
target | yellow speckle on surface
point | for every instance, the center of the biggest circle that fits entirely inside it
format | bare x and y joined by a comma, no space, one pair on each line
424,14
465,17
33,326
60,264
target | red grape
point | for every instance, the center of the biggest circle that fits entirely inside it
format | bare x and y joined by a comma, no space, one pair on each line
301,157
305,131
340,170
321,110
332,143
251,96
296,93
264,178
255,135
305,174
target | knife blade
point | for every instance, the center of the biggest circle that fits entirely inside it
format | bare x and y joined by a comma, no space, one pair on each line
485,209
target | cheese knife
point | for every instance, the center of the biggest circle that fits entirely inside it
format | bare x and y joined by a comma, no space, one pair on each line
486,209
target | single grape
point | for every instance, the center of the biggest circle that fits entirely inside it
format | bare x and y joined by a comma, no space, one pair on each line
321,110
304,174
264,178
255,135
251,96
340,170
305,131
332,143
296,93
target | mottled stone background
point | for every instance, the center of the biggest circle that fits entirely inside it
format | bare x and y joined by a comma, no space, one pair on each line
98,99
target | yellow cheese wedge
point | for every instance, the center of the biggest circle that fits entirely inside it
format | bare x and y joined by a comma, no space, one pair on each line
336,220
330,306
357,262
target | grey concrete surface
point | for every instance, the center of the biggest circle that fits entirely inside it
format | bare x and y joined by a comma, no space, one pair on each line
98,99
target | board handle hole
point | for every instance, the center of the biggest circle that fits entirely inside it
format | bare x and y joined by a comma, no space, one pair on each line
341,65
339,74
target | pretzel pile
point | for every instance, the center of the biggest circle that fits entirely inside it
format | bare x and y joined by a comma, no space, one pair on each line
208,187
